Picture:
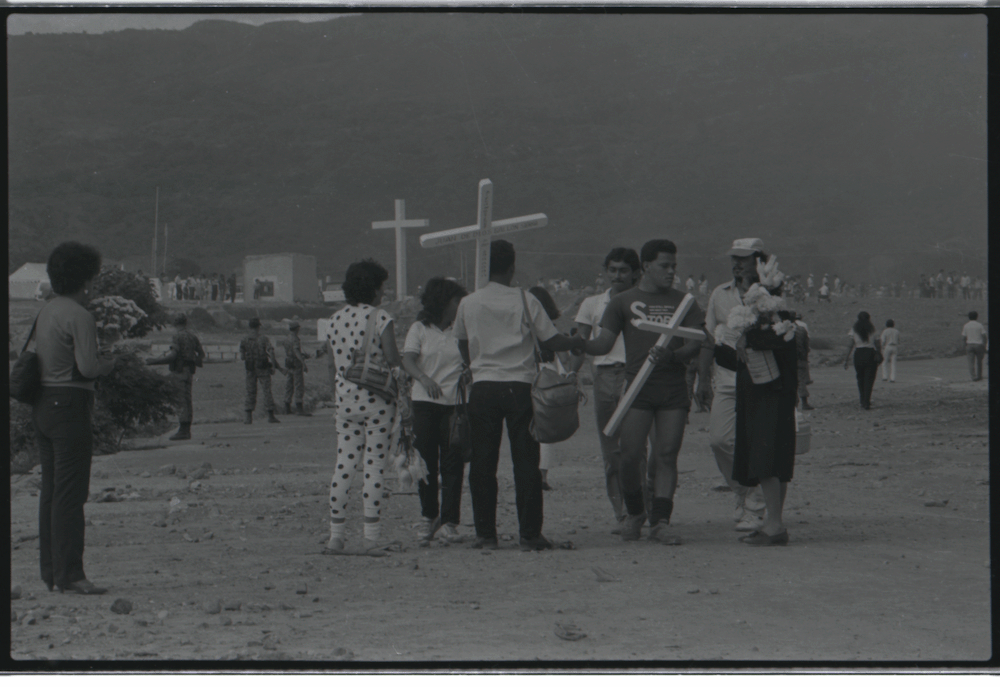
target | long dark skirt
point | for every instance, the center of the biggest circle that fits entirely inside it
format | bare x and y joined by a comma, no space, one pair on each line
765,430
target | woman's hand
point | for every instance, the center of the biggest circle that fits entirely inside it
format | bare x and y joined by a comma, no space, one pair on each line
433,390
741,347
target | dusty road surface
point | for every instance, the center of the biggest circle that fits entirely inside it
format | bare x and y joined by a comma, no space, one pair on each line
888,558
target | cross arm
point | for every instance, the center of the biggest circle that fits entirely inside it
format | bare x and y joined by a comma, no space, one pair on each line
471,232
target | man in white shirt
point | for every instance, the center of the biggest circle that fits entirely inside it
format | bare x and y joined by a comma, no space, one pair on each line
975,337
495,340
623,270
690,284
722,421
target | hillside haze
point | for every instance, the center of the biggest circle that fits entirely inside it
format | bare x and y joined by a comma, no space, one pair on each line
850,144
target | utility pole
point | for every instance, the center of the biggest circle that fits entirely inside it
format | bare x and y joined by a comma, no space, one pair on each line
156,229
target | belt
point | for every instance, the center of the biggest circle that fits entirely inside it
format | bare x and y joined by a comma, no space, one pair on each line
611,366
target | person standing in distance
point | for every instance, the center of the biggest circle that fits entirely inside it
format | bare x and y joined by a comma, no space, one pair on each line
623,271
184,356
749,512
663,400
976,339
495,341
890,348
295,364
258,355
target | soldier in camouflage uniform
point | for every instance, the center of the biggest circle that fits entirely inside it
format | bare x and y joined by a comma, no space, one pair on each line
258,355
295,363
184,356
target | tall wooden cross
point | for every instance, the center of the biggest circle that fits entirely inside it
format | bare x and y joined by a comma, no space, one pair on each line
667,332
484,231
399,224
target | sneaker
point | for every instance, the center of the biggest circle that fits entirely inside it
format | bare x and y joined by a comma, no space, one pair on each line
450,534
750,522
618,527
538,543
660,532
632,527
427,527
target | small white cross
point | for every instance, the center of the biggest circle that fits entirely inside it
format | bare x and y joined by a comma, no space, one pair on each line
483,231
667,332
399,224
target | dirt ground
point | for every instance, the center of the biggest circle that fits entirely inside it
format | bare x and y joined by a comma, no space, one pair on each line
888,559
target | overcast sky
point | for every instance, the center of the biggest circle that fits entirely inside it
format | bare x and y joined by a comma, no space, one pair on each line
99,23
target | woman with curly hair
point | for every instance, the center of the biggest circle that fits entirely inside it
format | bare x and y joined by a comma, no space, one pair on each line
363,418
864,347
67,348
431,357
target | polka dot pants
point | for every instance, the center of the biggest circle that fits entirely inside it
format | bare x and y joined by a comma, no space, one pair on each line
363,424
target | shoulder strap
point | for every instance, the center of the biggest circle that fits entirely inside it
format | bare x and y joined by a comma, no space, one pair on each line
531,326
370,334
31,334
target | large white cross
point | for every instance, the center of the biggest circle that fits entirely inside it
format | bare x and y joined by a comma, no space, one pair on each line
399,224
483,231
667,332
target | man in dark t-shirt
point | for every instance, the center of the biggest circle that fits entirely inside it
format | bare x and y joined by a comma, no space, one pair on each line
663,398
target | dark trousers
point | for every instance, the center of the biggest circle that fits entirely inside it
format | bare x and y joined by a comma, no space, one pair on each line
295,383
62,421
185,379
866,369
430,438
490,405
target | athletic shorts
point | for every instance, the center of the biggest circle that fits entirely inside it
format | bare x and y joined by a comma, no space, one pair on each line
661,396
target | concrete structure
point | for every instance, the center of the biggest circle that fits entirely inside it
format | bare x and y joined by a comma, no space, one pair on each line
27,280
286,277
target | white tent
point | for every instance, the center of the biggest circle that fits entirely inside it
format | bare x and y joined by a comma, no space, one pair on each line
25,282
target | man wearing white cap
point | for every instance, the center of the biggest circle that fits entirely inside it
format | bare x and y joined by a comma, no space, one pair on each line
722,421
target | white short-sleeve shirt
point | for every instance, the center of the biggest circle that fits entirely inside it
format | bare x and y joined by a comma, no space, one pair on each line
591,311
859,342
973,332
438,358
500,344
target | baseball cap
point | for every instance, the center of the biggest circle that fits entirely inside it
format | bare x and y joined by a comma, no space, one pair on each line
744,247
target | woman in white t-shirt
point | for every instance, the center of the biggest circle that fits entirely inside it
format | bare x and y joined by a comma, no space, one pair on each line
558,362
432,358
864,345
363,419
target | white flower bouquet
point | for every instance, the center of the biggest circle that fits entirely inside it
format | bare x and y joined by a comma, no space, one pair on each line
759,310
116,318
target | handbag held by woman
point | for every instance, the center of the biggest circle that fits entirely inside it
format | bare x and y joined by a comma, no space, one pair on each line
368,374
554,399
26,375
459,431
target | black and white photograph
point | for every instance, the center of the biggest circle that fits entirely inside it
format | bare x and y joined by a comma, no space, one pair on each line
366,339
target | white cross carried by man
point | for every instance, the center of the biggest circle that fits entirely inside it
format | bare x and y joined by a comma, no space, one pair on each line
667,332
484,231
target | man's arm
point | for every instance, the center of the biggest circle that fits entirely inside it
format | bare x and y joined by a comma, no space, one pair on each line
603,344
561,342
576,361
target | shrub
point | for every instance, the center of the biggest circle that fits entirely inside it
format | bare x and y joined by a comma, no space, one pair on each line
115,282
118,317
23,450
133,395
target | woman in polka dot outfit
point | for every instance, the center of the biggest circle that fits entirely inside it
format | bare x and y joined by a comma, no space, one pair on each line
363,419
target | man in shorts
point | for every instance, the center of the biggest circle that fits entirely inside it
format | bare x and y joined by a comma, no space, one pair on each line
663,400
722,421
